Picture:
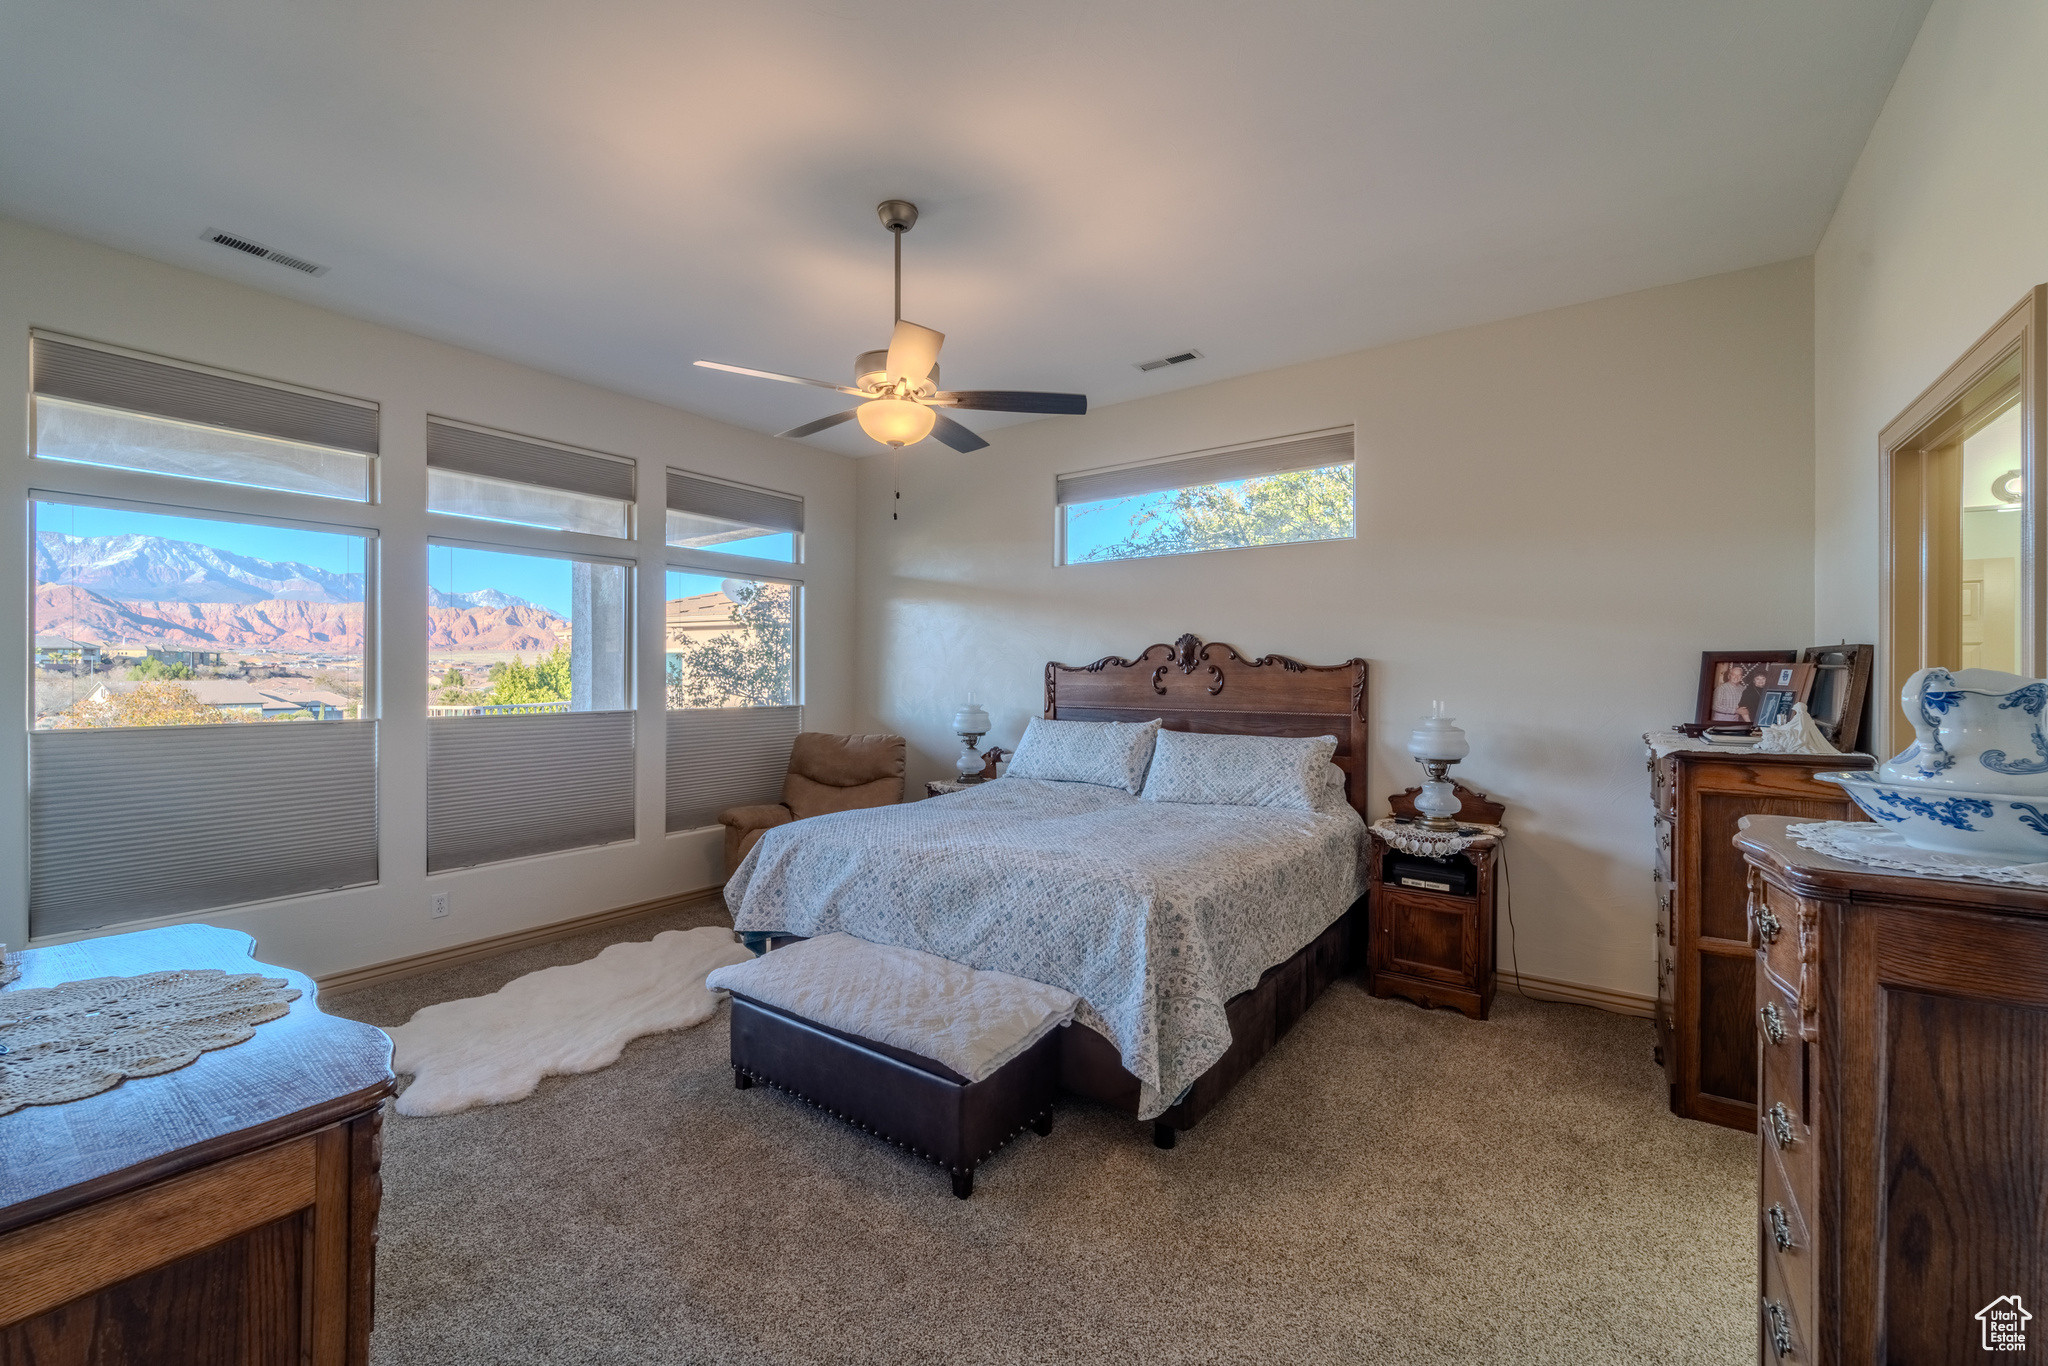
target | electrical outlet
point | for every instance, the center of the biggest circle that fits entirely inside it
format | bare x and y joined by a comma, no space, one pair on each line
440,904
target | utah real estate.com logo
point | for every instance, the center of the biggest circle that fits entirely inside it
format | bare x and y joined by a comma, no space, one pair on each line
2005,1324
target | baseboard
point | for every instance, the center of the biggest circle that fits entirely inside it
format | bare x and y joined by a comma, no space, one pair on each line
1578,994
357,978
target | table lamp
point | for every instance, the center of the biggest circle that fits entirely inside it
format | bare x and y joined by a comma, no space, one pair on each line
970,723
1437,743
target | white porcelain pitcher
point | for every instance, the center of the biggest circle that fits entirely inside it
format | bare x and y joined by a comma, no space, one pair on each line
1974,730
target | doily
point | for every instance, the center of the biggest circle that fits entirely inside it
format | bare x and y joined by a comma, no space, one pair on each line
1417,839
9,968
77,1039
1882,847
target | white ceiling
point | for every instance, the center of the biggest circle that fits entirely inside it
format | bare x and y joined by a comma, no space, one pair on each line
610,189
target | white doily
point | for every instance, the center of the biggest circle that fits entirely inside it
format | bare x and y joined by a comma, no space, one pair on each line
1417,839
9,967
77,1039
1882,847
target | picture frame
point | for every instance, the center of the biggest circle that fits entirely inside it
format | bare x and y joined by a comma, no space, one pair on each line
1840,687
1732,684
1786,687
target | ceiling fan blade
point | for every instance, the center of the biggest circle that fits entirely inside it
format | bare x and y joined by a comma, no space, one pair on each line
813,428
1013,401
946,430
913,351
786,379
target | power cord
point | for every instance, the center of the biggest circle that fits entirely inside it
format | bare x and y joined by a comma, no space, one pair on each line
1514,949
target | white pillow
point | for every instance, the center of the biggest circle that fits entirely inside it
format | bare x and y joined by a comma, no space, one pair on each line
1241,770
1106,753
1332,797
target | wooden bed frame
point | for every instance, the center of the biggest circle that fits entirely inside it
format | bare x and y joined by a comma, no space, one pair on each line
1193,686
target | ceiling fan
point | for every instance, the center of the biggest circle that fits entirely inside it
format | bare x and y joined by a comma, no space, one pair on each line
900,386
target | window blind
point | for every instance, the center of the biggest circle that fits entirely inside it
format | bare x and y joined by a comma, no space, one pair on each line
166,820
1213,467
503,787
726,756
730,503
110,379
494,455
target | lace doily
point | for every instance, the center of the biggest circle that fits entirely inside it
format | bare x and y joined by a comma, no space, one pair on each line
77,1039
1417,839
1882,847
9,968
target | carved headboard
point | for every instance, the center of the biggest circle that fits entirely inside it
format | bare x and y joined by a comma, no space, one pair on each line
1211,687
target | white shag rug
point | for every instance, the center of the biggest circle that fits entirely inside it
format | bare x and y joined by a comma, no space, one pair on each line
487,1050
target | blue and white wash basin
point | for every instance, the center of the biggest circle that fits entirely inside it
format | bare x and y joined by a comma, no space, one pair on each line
2009,826
1974,731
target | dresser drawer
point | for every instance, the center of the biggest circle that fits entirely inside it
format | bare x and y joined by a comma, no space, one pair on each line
1784,1237
1780,1323
1775,930
1781,1112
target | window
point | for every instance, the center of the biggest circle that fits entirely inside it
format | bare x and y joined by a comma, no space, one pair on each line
731,519
529,732
1274,493
96,406
732,686
203,728
495,477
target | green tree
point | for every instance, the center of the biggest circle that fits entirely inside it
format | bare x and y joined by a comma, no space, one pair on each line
150,668
152,704
752,665
515,682
1306,505
452,679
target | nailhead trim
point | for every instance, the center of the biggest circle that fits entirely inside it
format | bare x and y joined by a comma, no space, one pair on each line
940,1162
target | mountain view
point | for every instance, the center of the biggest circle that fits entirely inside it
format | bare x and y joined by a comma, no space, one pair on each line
153,569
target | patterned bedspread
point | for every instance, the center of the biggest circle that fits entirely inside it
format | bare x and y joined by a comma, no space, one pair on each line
1153,913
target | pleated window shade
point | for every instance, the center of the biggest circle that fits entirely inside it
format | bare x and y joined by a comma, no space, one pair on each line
111,379
505,787
495,455
1214,467
726,756
730,503
132,823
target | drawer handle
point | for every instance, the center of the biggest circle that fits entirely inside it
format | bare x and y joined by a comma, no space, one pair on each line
1781,1228
1781,1327
1774,1023
1767,926
1781,1124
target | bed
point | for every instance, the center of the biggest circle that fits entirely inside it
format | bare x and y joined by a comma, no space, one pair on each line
1195,936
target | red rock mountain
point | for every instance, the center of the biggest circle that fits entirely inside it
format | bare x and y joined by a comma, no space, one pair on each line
313,627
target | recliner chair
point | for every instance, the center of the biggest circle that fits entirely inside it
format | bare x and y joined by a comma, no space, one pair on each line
827,773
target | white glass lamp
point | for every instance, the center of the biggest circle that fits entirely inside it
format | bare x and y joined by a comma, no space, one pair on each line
970,723
1437,743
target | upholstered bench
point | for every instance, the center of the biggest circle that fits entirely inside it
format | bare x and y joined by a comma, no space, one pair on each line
944,1060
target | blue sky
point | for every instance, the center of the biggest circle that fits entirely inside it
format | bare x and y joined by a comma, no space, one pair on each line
537,578
1092,525
332,551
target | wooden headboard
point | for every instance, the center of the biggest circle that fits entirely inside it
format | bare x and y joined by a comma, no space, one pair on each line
1197,687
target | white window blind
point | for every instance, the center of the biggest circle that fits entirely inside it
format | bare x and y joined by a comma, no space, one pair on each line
503,787
726,756
1209,467
132,823
732,503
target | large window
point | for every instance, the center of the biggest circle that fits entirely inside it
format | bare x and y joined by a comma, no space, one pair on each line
203,719
1273,493
733,691
504,629
732,519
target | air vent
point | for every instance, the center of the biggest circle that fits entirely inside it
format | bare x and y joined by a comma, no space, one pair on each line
1182,359
236,242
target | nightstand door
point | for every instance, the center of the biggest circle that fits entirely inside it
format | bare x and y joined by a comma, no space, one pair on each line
1427,935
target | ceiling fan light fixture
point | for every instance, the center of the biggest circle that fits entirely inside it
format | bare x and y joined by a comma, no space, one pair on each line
896,421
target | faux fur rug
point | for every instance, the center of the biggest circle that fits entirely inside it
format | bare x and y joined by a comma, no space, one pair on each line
487,1050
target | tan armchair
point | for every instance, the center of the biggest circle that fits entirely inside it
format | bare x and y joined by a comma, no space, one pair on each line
826,773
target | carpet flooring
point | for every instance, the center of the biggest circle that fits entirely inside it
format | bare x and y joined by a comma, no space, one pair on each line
1390,1185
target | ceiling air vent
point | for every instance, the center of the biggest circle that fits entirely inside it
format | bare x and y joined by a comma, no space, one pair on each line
236,242
1181,359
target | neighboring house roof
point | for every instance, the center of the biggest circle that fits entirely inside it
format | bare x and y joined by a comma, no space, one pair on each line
212,692
62,643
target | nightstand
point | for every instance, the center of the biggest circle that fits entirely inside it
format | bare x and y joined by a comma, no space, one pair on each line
939,787
1432,918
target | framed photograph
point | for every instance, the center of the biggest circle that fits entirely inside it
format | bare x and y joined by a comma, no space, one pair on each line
1733,682
1788,685
1841,682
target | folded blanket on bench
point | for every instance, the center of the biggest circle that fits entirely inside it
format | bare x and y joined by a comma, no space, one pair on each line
973,1021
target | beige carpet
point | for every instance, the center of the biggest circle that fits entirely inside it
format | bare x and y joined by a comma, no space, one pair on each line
1390,1185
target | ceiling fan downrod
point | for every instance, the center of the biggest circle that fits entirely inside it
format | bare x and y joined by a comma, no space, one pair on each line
898,216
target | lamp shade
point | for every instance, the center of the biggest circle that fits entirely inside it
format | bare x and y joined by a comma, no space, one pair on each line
1437,737
970,719
896,421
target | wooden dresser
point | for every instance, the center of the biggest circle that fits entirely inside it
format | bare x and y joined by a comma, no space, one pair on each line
1705,970
224,1214
1902,1027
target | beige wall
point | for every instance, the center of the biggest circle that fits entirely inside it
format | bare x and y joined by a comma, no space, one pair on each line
60,283
1943,227
1556,515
